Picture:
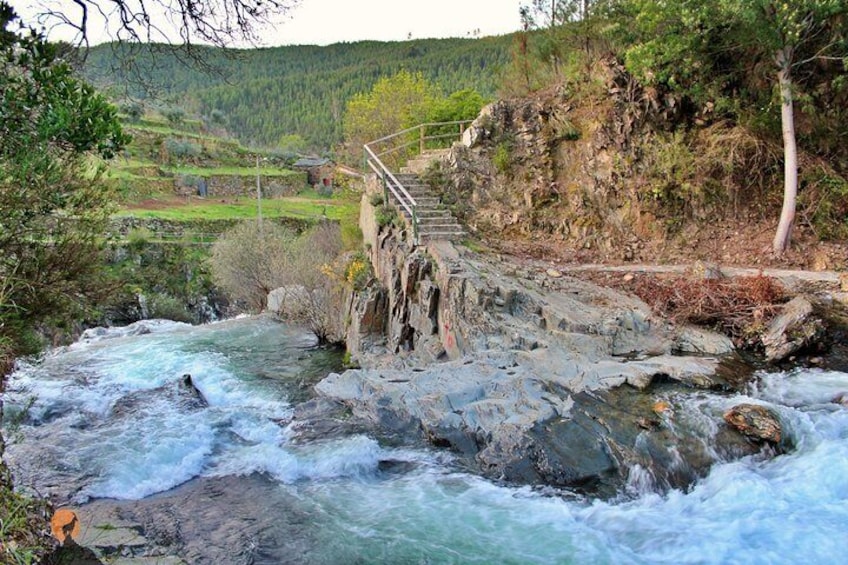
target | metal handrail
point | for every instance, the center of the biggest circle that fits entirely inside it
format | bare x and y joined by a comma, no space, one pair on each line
389,180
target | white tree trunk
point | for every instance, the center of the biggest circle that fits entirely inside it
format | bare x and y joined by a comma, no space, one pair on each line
790,153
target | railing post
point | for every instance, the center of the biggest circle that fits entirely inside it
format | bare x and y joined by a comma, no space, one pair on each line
385,188
414,225
421,139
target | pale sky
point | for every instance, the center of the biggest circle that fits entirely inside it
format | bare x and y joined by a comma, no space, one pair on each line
323,22
332,21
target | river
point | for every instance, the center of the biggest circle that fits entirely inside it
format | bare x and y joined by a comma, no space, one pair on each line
106,421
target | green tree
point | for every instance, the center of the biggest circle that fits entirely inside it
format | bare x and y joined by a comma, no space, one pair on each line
53,209
792,34
461,105
393,104
291,143
692,47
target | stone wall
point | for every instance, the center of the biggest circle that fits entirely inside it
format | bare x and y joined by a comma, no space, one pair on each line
420,305
242,185
158,228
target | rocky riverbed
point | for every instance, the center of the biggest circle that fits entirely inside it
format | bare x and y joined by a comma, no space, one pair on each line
532,376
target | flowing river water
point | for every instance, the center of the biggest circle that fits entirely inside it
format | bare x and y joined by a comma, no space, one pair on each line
221,481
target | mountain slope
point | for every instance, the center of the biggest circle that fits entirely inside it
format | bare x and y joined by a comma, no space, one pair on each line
266,93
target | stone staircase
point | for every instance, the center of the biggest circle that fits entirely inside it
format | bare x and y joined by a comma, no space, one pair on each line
435,222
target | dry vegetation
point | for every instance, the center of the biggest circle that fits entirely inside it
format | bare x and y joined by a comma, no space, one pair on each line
737,306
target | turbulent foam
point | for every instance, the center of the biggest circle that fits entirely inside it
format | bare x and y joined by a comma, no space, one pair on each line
109,407
353,456
134,465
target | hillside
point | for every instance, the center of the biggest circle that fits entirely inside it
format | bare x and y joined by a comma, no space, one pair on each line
263,94
578,173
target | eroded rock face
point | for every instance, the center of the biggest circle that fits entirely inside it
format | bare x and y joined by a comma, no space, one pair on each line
530,377
756,422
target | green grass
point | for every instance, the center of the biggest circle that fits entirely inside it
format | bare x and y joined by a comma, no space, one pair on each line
168,130
21,521
230,170
301,207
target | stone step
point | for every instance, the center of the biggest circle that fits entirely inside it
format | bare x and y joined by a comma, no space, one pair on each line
428,212
435,222
425,238
440,213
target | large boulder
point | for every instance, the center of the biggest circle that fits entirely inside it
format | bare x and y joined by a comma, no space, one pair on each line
759,423
796,328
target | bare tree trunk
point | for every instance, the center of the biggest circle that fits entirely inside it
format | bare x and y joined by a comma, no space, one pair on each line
790,153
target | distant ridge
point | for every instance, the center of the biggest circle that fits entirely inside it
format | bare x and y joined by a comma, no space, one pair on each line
269,92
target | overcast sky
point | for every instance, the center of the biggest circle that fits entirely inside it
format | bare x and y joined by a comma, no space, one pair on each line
331,21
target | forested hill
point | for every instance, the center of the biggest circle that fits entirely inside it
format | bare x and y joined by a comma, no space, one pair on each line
263,94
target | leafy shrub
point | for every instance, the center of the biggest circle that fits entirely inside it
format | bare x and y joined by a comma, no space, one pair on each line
133,111
217,117
502,158
376,199
182,148
168,308
351,236
358,271
174,115
138,238
823,202
386,215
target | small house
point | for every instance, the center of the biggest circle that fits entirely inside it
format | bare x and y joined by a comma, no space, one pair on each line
319,171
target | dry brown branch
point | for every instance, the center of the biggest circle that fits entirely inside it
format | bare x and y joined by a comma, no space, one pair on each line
734,305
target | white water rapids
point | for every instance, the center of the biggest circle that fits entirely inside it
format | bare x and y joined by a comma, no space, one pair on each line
106,420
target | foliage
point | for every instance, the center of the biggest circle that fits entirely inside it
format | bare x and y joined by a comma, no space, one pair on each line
175,116
502,157
170,277
824,204
376,199
291,143
24,534
358,271
351,236
182,148
251,260
386,215
297,90
132,110
701,87
463,104
52,204
311,282
394,104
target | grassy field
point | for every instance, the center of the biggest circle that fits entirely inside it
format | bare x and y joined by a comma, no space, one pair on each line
144,179
308,206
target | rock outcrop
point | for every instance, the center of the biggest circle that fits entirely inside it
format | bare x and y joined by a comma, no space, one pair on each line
794,329
531,376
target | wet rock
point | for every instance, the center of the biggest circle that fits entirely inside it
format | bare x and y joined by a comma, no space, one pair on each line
188,387
794,329
533,417
841,398
208,520
321,418
756,422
